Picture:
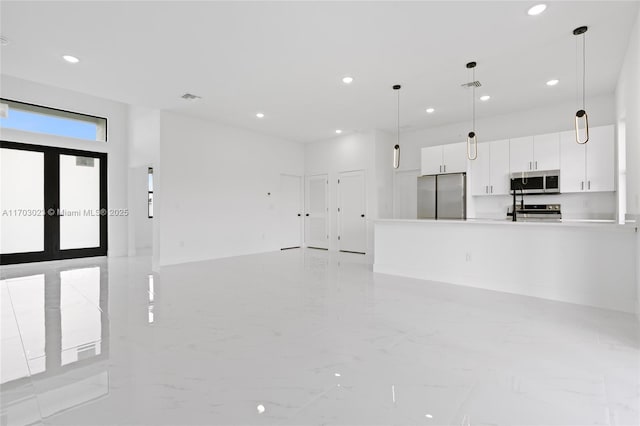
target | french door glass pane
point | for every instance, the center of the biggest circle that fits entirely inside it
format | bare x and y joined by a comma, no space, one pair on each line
21,201
79,202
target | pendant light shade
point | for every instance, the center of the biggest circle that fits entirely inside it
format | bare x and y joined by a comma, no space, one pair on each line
472,137
396,148
582,118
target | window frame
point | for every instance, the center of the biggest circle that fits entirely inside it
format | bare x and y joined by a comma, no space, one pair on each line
64,114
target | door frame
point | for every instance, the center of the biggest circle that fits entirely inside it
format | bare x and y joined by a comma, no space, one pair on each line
339,209
326,210
52,201
301,209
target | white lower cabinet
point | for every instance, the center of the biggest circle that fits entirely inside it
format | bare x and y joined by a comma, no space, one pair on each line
490,171
589,167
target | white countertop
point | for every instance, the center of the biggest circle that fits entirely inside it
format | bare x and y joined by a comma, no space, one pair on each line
579,223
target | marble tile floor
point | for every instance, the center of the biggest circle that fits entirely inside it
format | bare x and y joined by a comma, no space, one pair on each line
300,337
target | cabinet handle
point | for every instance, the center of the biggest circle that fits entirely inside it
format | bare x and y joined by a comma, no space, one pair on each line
445,168
588,184
492,189
529,165
536,165
486,189
582,186
441,168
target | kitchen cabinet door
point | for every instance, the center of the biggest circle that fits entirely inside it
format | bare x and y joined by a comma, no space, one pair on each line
521,154
455,157
600,169
500,175
546,152
431,160
572,163
480,170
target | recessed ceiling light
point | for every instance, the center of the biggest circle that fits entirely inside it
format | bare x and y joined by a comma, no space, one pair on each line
71,59
485,98
347,80
552,82
537,9
338,131
260,115
430,110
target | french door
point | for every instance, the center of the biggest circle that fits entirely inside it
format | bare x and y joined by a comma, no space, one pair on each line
53,203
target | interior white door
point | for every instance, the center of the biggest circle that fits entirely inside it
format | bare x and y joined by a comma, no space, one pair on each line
351,214
290,211
316,233
405,194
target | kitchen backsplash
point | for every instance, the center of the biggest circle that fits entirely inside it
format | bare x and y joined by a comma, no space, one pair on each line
591,205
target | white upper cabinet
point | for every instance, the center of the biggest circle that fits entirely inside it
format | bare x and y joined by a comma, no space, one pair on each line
500,177
480,170
588,167
451,158
431,160
454,158
546,152
535,153
490,171
521,156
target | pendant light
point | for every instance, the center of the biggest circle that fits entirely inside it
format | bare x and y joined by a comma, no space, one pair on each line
581,114
472,137
396,148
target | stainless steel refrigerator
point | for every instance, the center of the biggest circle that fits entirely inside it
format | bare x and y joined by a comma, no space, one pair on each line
442,196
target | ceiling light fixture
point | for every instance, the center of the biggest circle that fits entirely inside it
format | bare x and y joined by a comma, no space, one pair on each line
553,82
537,9
430,110
396,148
485,98
472,137
347,80
338,131
260,115
190,97
71,59
581,113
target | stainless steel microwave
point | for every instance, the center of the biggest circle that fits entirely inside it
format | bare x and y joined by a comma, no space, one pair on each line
536,182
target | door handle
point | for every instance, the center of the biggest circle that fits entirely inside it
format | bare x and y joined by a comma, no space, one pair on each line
307,214
299,215
361,215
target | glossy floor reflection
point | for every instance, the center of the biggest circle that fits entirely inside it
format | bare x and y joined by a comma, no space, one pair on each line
301,337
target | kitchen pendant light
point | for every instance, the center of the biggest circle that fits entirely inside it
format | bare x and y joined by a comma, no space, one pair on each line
396,148
581,114
472,137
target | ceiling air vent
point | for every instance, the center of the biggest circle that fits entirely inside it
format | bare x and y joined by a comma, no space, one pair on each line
190,97
4,41
472,84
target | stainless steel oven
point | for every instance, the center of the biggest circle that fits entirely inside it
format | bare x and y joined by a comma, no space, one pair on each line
537,182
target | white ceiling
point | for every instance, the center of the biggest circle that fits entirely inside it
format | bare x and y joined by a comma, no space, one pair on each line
287,59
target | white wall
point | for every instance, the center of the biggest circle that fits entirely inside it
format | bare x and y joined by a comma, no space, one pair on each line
212,189
144,152
116,146
628,118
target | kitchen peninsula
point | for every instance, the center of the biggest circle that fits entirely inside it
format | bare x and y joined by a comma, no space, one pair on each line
588,263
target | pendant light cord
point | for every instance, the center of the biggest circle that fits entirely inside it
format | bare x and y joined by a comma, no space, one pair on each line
474,100
584,69
398,134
